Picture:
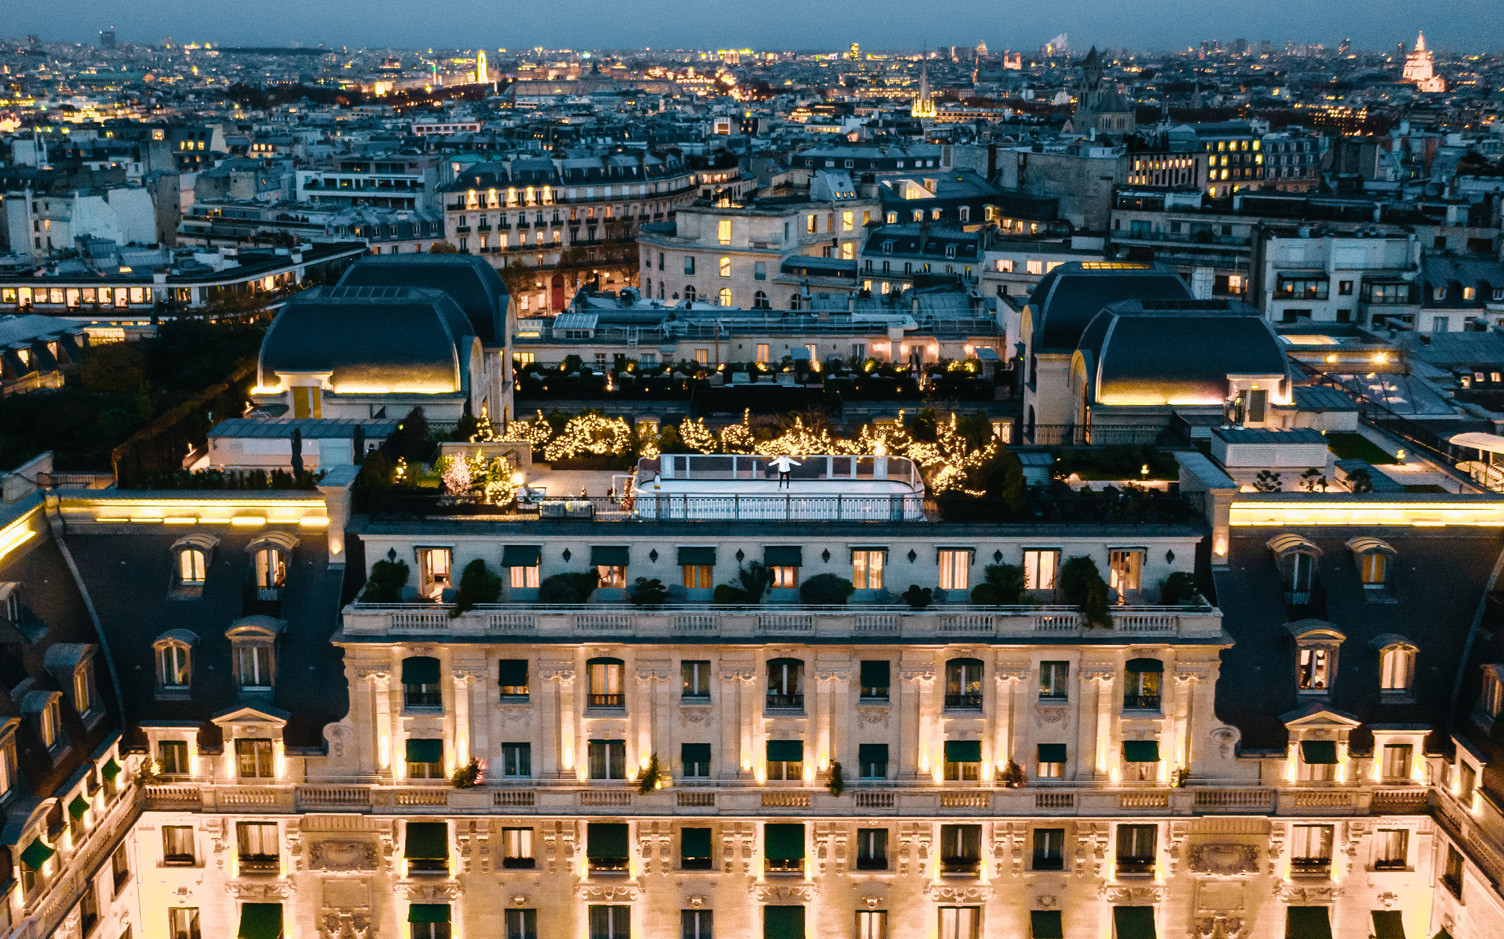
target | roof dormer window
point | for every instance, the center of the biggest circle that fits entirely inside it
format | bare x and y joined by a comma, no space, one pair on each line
1396,666
1297,566
1317,644
1375,562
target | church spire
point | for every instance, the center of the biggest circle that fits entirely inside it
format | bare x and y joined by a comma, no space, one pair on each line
923,108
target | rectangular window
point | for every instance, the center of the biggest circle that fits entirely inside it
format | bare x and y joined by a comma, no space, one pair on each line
960,922
867,568
1136,848
963,760
785,760
1391,848
253,758
517,848
610,922
762,353
433,571
120,868
512,679
955,569
698,577
871,924
876,679
695,679
695,758
1049,849
1310,847
723,231
872,849
759,270
960,849
521,924
258,843
694,849
785,576
1396,763
524,577
182,923
1126,572
177,845
1453,871
689,264
253,665
608,759
872,760
1040,565
1051,761
172,757
725,267
848,221
1312,674
612,575
1034,267
696,924
1054,681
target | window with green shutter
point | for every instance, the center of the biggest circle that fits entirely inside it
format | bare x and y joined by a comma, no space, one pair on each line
606,846
1308,922
872,760
260,921
1133,922
511,677
783,922
785,760
963,760
783,847
694,849
427,847
877,679
420,682
695,758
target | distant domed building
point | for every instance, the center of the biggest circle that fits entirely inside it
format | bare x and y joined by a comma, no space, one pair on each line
1100,106
1420,68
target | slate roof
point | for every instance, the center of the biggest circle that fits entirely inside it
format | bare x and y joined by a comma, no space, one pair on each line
370,336
1438,581
1178,348
1066,299
129,576
469,281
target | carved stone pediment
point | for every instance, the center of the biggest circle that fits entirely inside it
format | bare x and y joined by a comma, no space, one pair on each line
1224,859
1312,894
873,715
958,893
343,856
609,893
783,894
277,889
443,891
1134,894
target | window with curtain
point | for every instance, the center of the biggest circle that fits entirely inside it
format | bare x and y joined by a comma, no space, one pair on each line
1125,572
192,565
876,679
1396,669
1391,849
172,666
785,683
1136,848
182,923
871,924
517,848
955,568
1313,668
695,680
1054,681
517,760
960,849
177,845
259,845
1310,848
960,922
867,568
963,685
1396,761
420,682
1049,849
608,759
253,664
696,924
1141,684
520,924
610,922
253,758
606,679
1051,761
872,849
172,757
1040,565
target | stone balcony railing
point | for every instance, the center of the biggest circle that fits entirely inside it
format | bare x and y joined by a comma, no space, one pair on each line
748,800
691,623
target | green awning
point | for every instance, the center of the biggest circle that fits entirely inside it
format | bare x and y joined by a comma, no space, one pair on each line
512,673
954,547
963,751
868,753
694,842
1318,751
606,840
1133,922
427,841
785,751
1052,753
1388,924
694,753
78,807
1046,924
1143,665
783,922
783,556
876,673
421,750
1141,751
428,913
879,548
689,557
608,555
1308,922
420,670
110,770
260,921
36,854
521,555
783,842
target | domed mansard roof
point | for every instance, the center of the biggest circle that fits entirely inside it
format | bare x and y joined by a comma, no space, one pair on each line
472,283
1176,351
1065,300
371,340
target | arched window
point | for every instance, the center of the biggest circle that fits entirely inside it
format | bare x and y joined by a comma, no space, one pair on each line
1316,647
785,683
191,565
963,685
253,641
1396,668
689,292
760,301
1297,566
174,655
606,678
724,297
1375,561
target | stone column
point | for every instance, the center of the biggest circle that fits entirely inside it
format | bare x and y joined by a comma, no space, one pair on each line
840,722
733,722
913,742
1188,683
1011,676
645,718
463,679
1096,736
547,758
565,723
370,707
383,723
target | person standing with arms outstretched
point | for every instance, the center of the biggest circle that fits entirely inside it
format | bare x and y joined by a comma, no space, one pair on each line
783,464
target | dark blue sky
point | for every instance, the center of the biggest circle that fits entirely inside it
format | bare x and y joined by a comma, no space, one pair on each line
1464,25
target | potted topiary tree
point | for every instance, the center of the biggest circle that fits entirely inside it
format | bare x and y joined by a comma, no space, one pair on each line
386,582
1002,585
477,585
918,597
652,776
1082,584
826,590
647,592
